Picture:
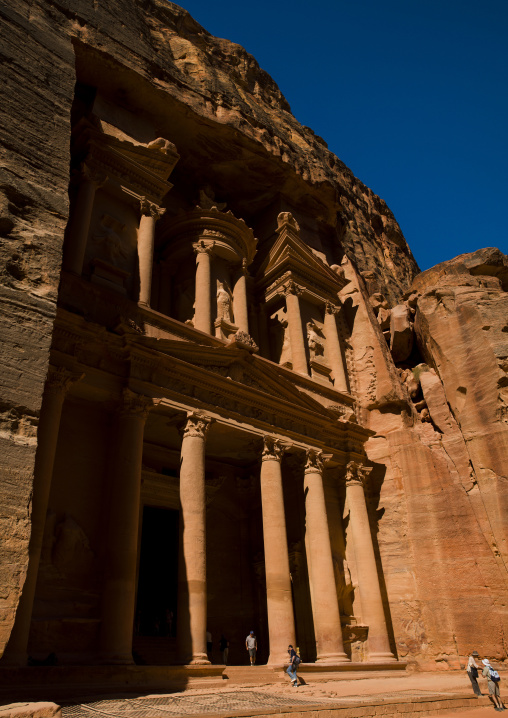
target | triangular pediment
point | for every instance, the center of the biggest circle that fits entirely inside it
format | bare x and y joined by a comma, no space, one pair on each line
234,367
290,257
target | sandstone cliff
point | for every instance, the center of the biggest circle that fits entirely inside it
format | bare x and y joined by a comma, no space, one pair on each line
428,361
440,449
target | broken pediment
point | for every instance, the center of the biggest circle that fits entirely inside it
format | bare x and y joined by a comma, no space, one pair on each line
291,259
140,170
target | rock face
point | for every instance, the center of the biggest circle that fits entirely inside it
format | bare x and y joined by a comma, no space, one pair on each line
444,491
408,370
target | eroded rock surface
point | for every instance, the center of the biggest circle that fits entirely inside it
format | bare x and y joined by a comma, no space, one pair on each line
420,360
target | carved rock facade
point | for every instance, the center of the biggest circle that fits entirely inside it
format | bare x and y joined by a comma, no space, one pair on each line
221,360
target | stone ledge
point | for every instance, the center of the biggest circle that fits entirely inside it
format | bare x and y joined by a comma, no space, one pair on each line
30,710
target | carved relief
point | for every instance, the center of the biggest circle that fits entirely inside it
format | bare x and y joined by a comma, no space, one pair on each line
109,242
314,461
150,209
133,403
197,425
223,302
357,473
273,449
315,340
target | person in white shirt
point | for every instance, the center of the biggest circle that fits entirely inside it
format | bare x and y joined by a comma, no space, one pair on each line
251,645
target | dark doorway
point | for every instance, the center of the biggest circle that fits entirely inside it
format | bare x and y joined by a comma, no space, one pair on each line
158,573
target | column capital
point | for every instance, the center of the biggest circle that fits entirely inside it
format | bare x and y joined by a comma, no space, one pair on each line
203,247
89,173
315,461
291,287
357,473
60,380
333,308
150,209
197,425
135,404
273,449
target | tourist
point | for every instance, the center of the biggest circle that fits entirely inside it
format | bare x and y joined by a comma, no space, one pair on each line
224,649
472,672
293,664
251,644
492,677
209,645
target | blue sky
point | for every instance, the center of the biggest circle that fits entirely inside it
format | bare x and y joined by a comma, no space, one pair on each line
412,95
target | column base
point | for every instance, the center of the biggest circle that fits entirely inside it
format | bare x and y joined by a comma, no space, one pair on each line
333,658
382,658
199,659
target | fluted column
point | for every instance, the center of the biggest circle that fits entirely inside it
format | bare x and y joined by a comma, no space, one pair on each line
325,606
203,304
240,306
281,623
121,544
298,355
58,382
150,213
339,373
192,599
366,568
90,179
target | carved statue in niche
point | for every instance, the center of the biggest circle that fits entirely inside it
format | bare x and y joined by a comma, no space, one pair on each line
223,302
280,337
108,240
315,340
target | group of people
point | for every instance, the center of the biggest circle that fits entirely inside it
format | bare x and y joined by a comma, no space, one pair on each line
251,646
490,674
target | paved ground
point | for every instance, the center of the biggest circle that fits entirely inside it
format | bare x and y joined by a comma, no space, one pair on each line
282,697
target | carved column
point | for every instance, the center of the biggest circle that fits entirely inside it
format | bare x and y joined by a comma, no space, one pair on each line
90,180
192,602
240,306
281,623
325,606
121,543
58,382
150,213
339,373
298,355
368,579
203,304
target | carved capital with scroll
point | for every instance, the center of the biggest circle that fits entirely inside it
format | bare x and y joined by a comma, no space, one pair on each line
273,449
202,247
197,425
150,209
357,473
135,404
291,287
331,308
60,380
314,461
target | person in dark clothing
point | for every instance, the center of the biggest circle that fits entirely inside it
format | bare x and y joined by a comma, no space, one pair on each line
472,672
224,649
293,664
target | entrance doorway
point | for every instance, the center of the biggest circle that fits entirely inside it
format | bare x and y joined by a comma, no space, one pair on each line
158,574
